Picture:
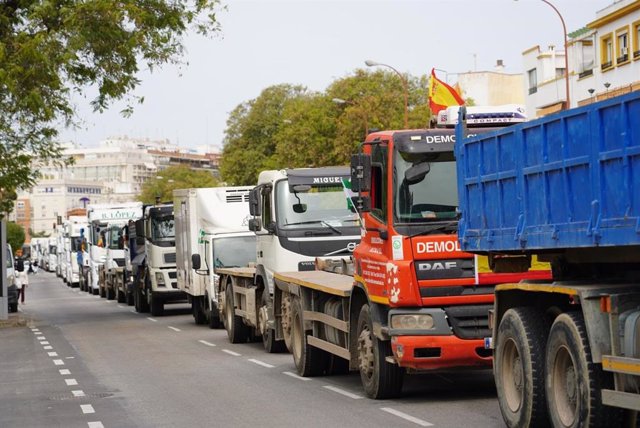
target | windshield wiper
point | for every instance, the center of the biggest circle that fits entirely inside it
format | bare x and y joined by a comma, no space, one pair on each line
436,227
316,221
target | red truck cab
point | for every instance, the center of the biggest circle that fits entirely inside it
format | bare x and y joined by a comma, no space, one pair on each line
432,298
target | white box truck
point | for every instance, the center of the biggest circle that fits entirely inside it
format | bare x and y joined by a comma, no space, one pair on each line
208,220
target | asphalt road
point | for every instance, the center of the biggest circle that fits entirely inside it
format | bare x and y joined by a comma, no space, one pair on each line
83,361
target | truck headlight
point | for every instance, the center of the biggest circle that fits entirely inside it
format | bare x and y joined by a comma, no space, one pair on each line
412,322
160,279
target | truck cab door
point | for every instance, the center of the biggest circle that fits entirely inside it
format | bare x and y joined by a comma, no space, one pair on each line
266,239
373,253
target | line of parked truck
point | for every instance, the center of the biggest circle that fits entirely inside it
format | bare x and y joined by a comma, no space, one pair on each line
361,268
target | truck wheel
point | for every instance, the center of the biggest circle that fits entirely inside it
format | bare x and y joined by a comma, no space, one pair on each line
271,345
103,293
573,382
111,294
214,315
286,322
198,311
157,306
140,299
96,292
309,360
129,298
519,368
237,331
121,297
380,379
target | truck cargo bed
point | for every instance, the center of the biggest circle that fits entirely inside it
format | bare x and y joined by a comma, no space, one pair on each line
332,283
567,180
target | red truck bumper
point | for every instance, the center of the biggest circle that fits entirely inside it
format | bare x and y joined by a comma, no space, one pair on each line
439,352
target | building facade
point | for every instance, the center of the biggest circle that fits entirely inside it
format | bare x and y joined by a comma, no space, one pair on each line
603,57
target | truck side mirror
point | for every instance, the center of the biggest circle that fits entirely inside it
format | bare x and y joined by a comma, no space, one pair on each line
361,172
271,227
195,261
254,202
254,225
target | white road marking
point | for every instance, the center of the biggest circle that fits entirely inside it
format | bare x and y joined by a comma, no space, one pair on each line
78,393
52,354
87,408
295,376
120,306
36,331
47,347
133,311
44,342
71,382
406,417
235,354
65,371
343,392
152,319
70,358
204,342
41,338
261,363
58,362
96,424
174,329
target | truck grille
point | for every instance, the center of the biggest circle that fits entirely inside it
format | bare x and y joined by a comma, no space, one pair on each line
119,262
170,258
237,196
469,322
172,274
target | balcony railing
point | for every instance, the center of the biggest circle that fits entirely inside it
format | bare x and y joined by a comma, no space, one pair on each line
622,58
533,90
606,65
636,54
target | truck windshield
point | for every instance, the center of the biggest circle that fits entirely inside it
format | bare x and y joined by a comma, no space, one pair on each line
238,251
327,206
76,241
115,239
162,228
428,192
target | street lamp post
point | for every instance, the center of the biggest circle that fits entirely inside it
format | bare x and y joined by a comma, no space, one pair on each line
405,85
566,52
365,115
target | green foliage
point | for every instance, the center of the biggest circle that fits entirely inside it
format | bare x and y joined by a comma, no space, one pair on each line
174,177
15,236
251,128
50,50
290,127
41,234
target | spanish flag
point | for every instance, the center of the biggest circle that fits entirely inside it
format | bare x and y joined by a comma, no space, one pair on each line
441,95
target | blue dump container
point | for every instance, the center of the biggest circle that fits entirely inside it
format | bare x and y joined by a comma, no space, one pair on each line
567,180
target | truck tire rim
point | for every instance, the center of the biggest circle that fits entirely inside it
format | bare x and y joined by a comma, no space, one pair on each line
365,353
228,310
512,375
286,317
565,386
263,316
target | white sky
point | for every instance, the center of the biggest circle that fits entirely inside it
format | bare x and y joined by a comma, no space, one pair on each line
312,43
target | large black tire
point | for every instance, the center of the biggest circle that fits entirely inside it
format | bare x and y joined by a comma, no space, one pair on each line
95,291
140,301
103,292
157,306
237,331
198,311
214,315
271,345
380,378
519,368
309,360
573,383
111,293
121,297
129,298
